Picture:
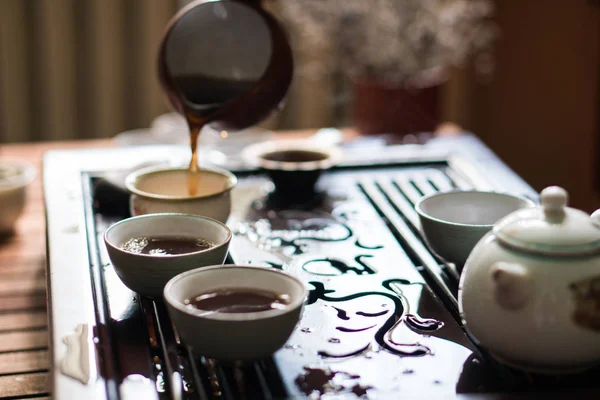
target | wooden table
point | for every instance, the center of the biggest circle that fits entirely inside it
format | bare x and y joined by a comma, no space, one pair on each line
24,352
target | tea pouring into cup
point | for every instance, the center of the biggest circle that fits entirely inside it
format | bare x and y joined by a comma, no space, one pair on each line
226,63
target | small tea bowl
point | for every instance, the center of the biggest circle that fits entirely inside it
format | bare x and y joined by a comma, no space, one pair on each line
147,274
15,176
234,336
453,222
167,190
294,166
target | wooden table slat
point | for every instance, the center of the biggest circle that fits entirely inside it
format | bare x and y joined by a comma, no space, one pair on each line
23,320
29,228
16,341
24,361
25,385
22,263
22,286
18,246
13,274
22,303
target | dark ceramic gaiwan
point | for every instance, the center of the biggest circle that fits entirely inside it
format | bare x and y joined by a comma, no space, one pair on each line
294,166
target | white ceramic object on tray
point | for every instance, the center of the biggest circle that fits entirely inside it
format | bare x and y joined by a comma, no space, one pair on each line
453,222
530,290
165,190
148,274
15,176
234,336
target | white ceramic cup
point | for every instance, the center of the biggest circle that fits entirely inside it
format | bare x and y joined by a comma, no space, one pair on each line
453,222
148,274
234,336
15,176
165,190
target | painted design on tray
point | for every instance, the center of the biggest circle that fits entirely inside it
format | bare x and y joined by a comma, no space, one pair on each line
360,244
372,321
335,267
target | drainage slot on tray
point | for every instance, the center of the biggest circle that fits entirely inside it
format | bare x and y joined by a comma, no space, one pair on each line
411,244
398,200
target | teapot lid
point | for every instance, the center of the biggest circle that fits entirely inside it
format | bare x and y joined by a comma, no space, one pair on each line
550,229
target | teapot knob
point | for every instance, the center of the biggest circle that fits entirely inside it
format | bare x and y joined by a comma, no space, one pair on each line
554,200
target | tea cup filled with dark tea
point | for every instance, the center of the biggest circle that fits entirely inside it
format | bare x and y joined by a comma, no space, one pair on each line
206,192
146,251
235,313
294,166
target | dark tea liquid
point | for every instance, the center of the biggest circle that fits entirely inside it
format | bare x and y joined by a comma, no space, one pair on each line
165,246
295,156
238,301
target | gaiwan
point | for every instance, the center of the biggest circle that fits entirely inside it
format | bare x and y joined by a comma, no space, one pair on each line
530,289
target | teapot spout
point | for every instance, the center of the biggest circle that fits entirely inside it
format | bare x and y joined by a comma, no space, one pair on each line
512,285
596,217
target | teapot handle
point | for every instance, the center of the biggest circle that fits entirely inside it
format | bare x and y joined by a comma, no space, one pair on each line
512,285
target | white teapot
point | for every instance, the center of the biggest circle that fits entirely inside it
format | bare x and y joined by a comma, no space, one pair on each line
530,289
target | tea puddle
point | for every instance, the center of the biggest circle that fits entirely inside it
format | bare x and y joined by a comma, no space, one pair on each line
321,381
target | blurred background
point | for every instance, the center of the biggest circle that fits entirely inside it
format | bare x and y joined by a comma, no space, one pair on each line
522,75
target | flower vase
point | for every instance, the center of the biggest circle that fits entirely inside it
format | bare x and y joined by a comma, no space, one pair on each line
397,109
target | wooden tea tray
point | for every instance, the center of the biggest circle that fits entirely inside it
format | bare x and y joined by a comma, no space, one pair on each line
381,320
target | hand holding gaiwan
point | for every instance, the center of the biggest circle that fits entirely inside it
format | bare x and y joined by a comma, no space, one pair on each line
530,289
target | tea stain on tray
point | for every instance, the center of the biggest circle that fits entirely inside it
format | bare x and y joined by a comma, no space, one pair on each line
322,381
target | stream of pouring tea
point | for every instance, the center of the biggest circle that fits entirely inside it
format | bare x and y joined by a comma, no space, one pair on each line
194,171
205,95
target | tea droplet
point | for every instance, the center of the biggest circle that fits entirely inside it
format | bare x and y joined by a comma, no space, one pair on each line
360,390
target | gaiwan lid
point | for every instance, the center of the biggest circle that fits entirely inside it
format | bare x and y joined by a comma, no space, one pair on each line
550,229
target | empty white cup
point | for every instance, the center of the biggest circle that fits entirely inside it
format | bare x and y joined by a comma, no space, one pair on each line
453,222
